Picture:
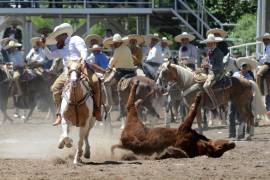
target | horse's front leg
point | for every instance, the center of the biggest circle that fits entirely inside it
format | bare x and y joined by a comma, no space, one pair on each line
199,120
77,159
64,139
87,152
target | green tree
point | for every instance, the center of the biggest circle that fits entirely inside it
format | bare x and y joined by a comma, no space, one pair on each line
98,28
245,29
231,10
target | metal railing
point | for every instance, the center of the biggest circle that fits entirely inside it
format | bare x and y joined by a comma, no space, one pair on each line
246,46
75,4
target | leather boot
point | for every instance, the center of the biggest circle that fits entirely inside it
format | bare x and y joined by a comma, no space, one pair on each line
260,83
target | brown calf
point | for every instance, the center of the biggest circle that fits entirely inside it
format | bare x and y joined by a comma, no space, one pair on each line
167,142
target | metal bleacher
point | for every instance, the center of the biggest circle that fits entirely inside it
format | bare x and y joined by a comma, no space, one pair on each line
173,16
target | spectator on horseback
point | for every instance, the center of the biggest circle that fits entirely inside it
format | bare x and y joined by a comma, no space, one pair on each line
36,57
187,52
97,59
154,58
16,57
265,60
93,39
121,60
133,40
223,46
246,65
70,47
166,52
214,62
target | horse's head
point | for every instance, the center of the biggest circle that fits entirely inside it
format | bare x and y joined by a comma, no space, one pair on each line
167,73
229,64
216,148
74,71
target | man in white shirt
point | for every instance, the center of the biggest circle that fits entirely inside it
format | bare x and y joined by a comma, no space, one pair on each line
17,59
36,55
166,52
70,48
154,58
187,52
265,59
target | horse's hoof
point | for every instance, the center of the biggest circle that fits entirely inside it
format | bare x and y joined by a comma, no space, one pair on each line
61,144
77,162
68,142
87,155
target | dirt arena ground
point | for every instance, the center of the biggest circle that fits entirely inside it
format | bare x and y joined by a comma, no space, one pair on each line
29,151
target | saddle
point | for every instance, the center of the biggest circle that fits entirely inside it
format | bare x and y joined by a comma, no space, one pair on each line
123,83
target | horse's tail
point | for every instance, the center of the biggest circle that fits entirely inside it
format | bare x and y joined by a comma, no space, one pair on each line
258,106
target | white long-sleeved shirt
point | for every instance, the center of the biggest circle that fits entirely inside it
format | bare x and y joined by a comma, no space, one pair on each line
190,54
266,55
75,48
36,56
155,54
17,58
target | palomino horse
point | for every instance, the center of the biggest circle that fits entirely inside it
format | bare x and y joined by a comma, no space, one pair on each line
76,109
243,93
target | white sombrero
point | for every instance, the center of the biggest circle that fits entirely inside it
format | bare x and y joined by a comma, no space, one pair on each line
117,38
93,36
149,37
108,42
58,30
95,47
169,42
246,60
5,41
212,38
184,35
265,36
13,43
221,32
34,40
139,38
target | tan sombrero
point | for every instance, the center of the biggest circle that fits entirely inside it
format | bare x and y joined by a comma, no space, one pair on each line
13,43
108,42
221,32
212,38
95,47
93,36
139,38
246,60
58,30
265,36
34,40
169,42
147,38
184,35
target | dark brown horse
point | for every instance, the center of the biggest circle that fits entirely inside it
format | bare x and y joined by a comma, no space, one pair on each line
243,93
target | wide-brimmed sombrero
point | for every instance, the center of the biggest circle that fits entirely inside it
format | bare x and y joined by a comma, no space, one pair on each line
12,44
165,39
149,37
107,43
58,30
89,38
34,40
95,47
246,60
184,35
139,38
212,38
265,36
214,31
5,41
